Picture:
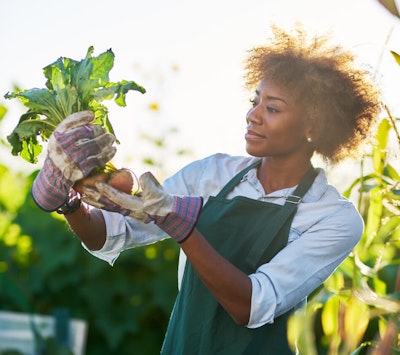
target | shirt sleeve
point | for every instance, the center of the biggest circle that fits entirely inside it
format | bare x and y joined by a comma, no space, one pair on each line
125,233
303,264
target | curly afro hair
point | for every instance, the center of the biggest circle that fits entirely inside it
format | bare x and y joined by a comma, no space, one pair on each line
339,99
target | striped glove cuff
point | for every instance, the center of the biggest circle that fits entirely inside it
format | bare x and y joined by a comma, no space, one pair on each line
180,223
50,188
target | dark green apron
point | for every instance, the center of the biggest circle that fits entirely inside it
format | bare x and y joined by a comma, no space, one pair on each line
248,233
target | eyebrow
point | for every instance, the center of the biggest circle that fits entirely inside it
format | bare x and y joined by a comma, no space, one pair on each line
272,97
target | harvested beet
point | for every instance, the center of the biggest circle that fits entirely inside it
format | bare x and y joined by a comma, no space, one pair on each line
121,179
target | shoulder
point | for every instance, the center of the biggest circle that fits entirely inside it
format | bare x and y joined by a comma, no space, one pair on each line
324,208
323,192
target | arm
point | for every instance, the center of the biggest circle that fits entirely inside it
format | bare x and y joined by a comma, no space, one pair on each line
88,225
229,285
278,286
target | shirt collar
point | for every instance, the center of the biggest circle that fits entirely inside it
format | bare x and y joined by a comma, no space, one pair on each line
315,192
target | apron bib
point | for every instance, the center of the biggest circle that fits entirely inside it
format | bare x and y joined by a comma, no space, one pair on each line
248,233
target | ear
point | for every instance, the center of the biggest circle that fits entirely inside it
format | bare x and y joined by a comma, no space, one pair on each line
309,131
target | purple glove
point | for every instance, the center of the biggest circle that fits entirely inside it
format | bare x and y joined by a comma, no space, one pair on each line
75,148
177,216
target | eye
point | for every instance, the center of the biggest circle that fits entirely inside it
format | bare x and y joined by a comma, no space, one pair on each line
272,109
253,102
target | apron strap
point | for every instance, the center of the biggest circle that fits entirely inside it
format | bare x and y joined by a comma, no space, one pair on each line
291,201
301,188
236,179
287,212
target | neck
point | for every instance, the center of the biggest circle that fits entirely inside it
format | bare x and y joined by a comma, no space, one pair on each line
275,175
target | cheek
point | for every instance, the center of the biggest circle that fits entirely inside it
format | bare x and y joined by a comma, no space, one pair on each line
288,136
296,132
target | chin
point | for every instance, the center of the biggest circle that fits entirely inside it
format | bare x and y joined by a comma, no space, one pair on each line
254,153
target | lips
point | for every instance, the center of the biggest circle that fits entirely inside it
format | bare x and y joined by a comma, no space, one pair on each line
250,134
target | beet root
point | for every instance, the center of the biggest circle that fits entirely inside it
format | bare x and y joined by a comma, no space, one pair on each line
121,179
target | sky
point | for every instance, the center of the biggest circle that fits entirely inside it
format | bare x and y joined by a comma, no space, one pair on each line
187,54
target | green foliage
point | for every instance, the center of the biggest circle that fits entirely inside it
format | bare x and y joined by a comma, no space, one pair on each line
3,111
357,309
71,86
43,267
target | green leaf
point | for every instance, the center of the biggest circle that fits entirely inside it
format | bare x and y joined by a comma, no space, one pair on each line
31,150
386,229
356,321
56,74
388,274
122,88
362,180
3,111
117,90
102,66
374,214
82,80
68,99
396,57
13,138
379,152
301,334
391,172
23,139
41,101
329,317
33,128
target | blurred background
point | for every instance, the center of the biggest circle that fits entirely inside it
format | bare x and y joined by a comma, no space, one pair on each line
188,55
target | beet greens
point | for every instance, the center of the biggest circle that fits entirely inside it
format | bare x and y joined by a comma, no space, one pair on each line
71,86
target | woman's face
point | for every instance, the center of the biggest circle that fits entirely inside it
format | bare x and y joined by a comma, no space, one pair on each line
274,124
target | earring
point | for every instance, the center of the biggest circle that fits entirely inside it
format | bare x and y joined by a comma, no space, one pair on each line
309,140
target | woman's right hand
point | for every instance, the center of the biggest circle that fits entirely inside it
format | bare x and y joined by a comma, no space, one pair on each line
76,147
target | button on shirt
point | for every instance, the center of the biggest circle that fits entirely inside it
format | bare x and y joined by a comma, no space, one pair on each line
324,230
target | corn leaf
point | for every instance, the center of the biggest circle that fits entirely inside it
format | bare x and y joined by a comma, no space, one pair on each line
356,321
379,152
374,214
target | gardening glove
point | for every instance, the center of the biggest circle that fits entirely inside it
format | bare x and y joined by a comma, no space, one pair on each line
76,147
106,197
177,216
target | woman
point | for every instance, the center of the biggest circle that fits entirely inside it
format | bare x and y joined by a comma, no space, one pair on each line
257,233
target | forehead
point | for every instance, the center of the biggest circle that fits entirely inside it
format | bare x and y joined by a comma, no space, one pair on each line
269,89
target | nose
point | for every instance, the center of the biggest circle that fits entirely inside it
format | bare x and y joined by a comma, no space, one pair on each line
254,115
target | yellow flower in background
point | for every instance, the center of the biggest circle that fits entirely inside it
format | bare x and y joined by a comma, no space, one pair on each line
154,106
